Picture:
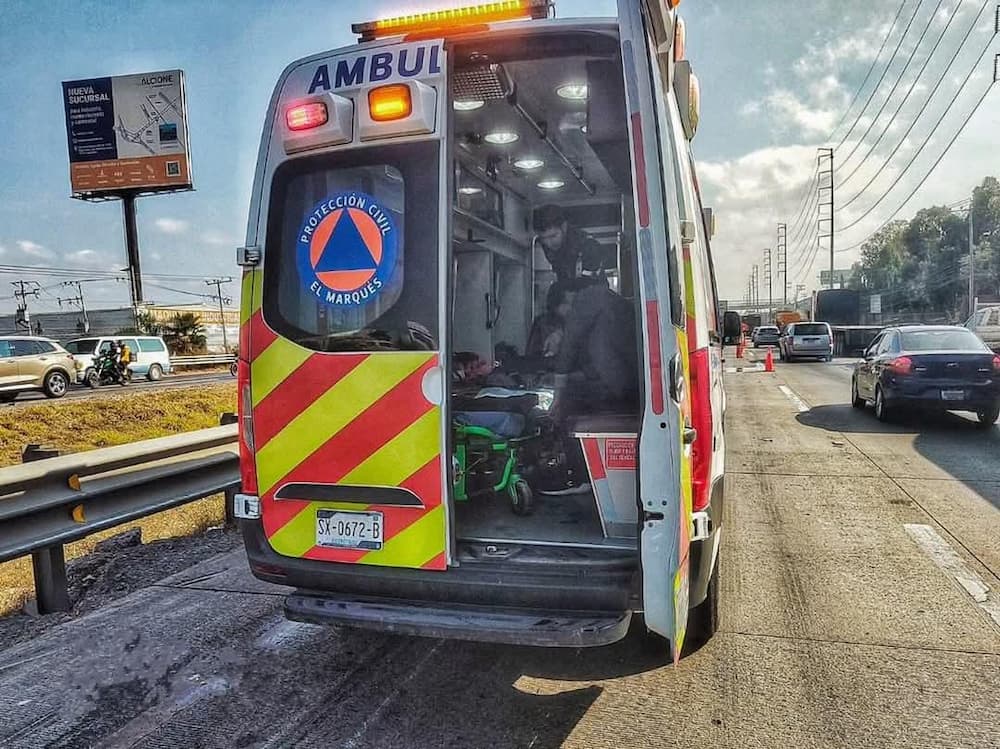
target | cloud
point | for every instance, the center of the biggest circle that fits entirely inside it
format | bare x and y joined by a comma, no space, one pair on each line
171,225
34,250
219,239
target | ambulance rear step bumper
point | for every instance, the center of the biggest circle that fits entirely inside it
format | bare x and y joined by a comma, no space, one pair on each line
479,623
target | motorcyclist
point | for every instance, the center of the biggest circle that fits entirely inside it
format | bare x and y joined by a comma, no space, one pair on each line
124,358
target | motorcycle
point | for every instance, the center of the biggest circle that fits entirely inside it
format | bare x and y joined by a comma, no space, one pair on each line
107,371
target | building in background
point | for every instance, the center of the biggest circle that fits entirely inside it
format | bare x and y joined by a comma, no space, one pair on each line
65,326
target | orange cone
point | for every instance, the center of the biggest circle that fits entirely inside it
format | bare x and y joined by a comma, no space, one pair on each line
769,361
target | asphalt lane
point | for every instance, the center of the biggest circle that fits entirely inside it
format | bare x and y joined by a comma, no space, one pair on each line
169,382
838,628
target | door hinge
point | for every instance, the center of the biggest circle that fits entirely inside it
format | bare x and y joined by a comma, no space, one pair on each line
248,257
701,526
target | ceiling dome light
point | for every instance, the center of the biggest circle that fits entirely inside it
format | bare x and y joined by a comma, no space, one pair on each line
469,190
501,137
529,164
551,184
573,91
467,105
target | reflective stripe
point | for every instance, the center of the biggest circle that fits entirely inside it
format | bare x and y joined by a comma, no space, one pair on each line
331,412
273,365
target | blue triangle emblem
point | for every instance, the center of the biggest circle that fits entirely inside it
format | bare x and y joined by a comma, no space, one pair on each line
345,249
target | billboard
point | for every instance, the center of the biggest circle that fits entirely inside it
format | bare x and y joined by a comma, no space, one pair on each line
127,133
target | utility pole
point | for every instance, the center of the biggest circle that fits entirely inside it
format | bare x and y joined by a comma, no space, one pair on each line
22,290
755,286
826,201
783,261
217,283
768,276
78,300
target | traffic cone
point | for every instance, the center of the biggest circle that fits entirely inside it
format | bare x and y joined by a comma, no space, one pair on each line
739,348
769,360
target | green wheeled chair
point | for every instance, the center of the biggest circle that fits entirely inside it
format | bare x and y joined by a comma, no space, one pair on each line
487,462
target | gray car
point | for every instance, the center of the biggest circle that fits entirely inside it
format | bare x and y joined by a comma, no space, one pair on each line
806,339
766,335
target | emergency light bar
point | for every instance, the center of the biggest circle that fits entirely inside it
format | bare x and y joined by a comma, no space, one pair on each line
453,18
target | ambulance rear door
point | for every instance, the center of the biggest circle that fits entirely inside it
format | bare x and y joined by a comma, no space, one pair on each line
345,327
664,442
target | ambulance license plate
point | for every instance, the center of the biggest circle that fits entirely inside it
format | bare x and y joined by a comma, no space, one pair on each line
349,530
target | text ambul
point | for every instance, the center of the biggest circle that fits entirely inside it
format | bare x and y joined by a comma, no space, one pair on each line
409,62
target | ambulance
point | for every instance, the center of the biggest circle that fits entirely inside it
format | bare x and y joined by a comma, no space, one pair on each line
480,357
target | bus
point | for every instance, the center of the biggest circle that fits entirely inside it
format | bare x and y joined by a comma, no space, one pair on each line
480,362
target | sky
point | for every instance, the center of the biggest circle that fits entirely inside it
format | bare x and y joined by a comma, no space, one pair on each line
777,78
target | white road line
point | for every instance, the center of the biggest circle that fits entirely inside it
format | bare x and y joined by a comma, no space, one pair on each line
948,560
796,400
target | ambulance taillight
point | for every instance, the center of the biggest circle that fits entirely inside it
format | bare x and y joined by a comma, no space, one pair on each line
450,19
248,473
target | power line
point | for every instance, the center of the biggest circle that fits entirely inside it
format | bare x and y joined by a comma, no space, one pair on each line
899,79
930,97
906,169
857,94
878,85
803,210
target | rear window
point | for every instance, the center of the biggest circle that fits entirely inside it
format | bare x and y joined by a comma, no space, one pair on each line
352,250
44,347
941,340
151,344
810,329
767,329
82,346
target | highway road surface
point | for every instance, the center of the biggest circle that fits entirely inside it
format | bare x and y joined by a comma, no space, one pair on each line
859,608
168,382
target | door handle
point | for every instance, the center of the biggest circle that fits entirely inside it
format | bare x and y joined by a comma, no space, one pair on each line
690,435
677,383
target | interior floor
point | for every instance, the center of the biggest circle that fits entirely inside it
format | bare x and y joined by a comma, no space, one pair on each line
563,520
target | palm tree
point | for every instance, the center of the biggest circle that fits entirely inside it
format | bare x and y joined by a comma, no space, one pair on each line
185,334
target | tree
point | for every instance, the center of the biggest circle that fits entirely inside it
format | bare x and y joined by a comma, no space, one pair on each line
922,265
185,334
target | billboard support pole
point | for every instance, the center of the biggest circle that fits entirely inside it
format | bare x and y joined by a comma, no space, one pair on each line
132,251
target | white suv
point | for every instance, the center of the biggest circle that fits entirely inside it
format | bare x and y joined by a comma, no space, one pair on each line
150,357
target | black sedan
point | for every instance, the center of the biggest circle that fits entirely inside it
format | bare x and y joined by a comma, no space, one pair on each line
938,367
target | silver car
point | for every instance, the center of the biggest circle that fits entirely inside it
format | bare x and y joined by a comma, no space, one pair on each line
806,339
765,335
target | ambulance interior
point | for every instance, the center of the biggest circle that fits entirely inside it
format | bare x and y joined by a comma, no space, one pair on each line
540,129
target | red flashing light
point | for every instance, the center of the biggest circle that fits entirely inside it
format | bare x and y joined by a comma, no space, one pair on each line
306,116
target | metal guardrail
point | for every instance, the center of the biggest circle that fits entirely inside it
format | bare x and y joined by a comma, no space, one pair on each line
201,361
47,503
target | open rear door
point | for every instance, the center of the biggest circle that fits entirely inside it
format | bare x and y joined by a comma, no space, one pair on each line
664,454
345,327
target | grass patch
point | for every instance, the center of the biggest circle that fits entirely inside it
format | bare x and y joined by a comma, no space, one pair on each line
75,426
126,416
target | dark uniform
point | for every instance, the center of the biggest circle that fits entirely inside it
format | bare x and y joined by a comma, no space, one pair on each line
567,261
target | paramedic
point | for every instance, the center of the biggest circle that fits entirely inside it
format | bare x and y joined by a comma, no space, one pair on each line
597,366
549,328
564,246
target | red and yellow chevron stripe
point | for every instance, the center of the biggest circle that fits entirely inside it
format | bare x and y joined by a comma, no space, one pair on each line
347,419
